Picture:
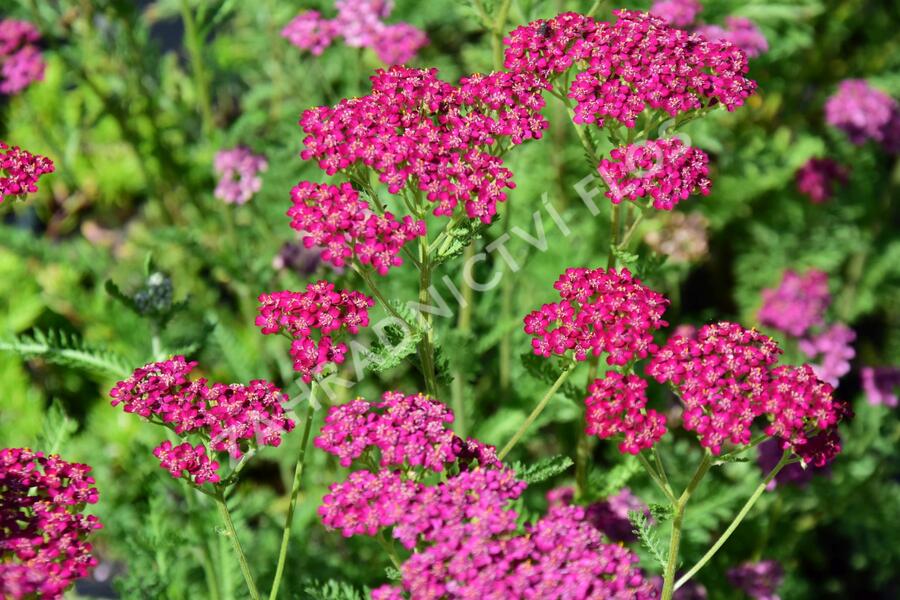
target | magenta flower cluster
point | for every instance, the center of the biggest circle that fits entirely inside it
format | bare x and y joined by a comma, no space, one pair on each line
238,170
21,62
677,13
722,377
797,304
361,24
20,171
423,135
638,62
601,311
817,177
44,547
865,113
319,308
741,32
616,406
832,349
609,516
228,418
666,171
880,385
338,221
759,580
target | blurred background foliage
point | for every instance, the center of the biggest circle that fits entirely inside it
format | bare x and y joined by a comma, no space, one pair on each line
138,97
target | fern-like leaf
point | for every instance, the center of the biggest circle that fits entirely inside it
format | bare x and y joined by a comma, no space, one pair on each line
67,349
543,469
57,428
643,529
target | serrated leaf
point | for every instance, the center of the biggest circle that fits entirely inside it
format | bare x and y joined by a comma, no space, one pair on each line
402,345
463,234
542,470
332,590
644,531
547,370
606,483
116,293
67,349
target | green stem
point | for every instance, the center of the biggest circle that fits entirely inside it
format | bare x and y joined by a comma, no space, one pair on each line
236,543
426,344
583,447
657,479
201,84
295,492
388,549
677,523
785,460
537,410
614,217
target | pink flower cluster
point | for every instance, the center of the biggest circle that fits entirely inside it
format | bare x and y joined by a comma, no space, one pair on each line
817,176
864,113
366,502
617,406
475,553
21,170
21,62
739,31
797,304
229,418
609,516
798,406
759,580
666,170
44,546
880,385
361,24
677,13
320,308
601,311
185,458
417,131
238,170
833,347
637,63
407,430
336,219
722,376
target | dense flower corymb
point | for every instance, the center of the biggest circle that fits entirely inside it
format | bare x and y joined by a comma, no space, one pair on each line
319,308
21,62
601,311
43,546
797,304
617,406
337,220
229,418
861,111
238,170
666,171
426,135
833,348
739,31
722,376
636,63
20,170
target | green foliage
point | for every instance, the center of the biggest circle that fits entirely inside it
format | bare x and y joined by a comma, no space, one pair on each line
57,429
646,533
332,590
542,470
67,349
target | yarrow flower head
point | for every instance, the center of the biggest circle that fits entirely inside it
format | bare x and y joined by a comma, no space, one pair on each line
362,25
794,474
407,430
320,308
834,348
797,304
44,547
666,171
20,171
366,502
337,220
601,311
741,32
759,580
609,516
423,134
616,406
228,418
677,13
861,111
638,62
817,177
722,377
21,62
239,170
880,385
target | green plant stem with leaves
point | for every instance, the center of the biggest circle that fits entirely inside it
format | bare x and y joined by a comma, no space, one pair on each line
295,492
219,497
